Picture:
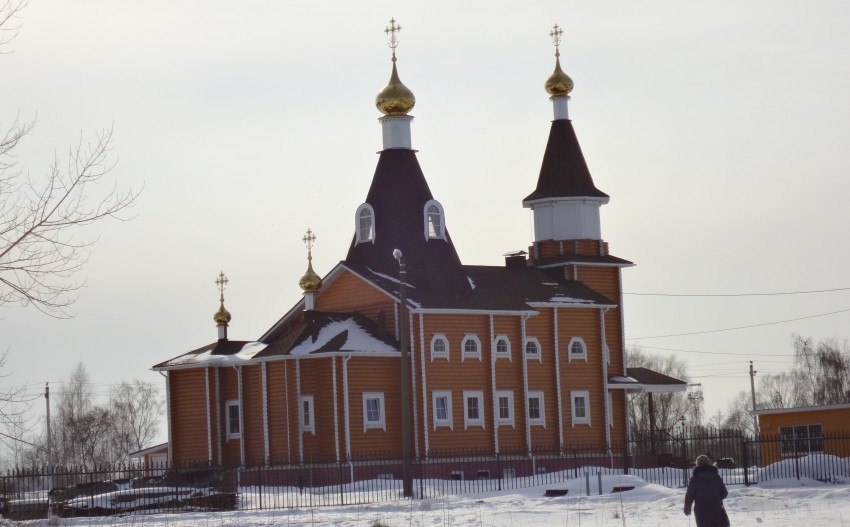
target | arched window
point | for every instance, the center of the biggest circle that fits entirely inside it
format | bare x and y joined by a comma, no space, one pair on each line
435,227
365,227
532,348
577,349
471,347
503,346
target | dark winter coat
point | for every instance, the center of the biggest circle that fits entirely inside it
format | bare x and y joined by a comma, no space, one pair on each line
707,490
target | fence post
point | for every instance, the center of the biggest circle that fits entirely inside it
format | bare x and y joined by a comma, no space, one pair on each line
499,469
575,462
746,462
626,461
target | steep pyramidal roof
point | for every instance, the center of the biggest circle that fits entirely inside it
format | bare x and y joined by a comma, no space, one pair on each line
398,196
564,173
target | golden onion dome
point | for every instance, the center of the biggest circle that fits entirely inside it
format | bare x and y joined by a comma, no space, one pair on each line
395,98
222,316
559,84
310,282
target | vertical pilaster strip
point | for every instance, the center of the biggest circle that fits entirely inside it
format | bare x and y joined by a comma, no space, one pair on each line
346,404
413,382
209,417
242,432
264,387
218,417
168,416
605,377
336,409
424,381
300,417
493,384
558,381
525,383
395,318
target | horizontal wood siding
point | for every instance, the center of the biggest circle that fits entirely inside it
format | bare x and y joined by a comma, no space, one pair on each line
578,374
252,418
541,378
603,280
316,380
381,375
282,402
187,393
350,293
229,391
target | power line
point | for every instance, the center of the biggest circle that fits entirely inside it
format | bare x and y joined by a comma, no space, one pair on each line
785,355
741,327
780,293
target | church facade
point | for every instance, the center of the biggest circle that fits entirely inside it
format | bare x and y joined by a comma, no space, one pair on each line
515,359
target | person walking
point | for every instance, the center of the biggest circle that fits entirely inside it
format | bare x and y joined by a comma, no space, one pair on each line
707,491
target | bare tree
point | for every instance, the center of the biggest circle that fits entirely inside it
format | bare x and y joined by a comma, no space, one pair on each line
669,407
40,218
136,409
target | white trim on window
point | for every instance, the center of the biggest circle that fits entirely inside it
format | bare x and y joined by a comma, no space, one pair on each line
502,345
580,407
532,350
435,220
374,414
307,415
504,407
470,347
473,408
536,409
437,341
364,224
231,419
441,403
577,349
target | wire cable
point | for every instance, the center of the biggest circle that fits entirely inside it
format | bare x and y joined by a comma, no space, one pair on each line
813,291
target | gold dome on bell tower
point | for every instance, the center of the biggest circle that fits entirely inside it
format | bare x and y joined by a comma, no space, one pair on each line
395,98
559,84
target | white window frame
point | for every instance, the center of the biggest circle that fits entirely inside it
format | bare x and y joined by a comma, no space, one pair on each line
310,414
470,337
447,421
537,421
534,356
497,414
439,354
441,235
233,403
576,356
357,227
381,423
793,442
574,395
502,354
467,396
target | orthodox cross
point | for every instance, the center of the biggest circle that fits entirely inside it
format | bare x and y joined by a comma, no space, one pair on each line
556,38
308,240
391,30
221,282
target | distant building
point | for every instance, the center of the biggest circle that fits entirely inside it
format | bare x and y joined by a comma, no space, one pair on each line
803,430
503,359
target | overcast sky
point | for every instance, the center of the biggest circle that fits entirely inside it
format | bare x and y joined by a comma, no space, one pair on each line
719,129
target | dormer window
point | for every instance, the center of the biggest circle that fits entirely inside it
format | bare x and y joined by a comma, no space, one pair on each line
435,226
365,227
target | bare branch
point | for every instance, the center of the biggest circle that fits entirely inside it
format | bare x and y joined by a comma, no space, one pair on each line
10,15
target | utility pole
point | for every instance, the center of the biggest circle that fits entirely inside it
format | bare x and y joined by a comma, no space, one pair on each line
753,390
404,337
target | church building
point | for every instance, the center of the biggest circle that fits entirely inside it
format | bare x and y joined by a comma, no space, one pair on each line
518,358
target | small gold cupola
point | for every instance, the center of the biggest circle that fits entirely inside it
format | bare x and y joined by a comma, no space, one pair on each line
222,316
559,84
310,282
395,98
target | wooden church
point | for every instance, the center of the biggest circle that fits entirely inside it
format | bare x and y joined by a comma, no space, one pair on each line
518,358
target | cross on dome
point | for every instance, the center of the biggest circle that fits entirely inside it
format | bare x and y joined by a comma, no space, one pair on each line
221,282
556,38
308,240
391,30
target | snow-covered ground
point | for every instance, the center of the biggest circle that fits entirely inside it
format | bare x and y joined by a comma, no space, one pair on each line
782,503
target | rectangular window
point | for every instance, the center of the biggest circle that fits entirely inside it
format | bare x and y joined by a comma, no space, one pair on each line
580,407
307,416
801,439
535,409
442,403
233,428
473,404
505,407
373,411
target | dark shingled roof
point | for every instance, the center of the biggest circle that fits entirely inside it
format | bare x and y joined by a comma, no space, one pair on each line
647,376
570,258
286,338
398,195
220,347
564,173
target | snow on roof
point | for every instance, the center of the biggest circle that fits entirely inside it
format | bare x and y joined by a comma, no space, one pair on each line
245,353
570,300
392,279
471,283
358,339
